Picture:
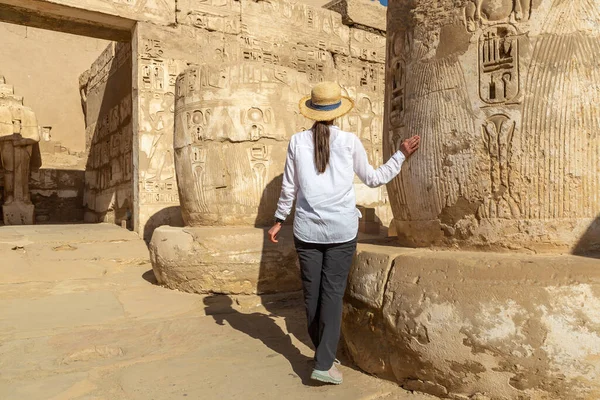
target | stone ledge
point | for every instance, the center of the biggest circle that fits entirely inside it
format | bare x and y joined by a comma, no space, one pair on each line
228,260
457,324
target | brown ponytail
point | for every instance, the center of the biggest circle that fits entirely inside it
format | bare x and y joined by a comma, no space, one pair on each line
321,137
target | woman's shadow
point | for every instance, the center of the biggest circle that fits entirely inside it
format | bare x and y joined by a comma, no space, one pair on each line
274,274
262,327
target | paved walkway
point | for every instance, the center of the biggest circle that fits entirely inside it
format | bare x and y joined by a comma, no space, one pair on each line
81,319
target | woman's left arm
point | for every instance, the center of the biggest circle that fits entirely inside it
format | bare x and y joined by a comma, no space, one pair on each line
289,186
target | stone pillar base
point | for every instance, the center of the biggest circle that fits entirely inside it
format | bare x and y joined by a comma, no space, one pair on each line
228,260
17,213
464,324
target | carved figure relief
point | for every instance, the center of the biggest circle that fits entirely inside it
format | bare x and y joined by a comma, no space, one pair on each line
364,107
499,64
478,12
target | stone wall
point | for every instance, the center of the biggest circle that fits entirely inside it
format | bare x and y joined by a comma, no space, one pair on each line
106,95
236,49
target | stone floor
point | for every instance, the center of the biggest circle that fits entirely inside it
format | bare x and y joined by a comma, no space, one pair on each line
80,318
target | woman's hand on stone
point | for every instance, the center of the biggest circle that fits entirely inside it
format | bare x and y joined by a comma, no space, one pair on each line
410,145
273,232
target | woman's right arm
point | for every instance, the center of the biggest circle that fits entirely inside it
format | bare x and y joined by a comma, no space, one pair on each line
289,186
388,171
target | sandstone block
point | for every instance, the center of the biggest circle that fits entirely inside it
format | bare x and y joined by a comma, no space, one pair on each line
369,274
462,323
232,260
18,213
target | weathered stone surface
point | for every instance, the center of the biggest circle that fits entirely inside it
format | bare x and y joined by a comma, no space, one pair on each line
367,46
462,323
298,24
509,157
213,15
369,275
235,260
370,14
18,213
107,99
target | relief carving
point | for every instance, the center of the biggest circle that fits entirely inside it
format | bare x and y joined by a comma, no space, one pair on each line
255,120
152,48
481,12
498,132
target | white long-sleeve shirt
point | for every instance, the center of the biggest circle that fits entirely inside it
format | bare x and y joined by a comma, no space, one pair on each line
325,203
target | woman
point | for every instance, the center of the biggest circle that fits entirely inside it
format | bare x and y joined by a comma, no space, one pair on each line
319,174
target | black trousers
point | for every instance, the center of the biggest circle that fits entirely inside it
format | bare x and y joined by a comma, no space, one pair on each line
325,269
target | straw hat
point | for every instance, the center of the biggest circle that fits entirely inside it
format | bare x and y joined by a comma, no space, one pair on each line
325,102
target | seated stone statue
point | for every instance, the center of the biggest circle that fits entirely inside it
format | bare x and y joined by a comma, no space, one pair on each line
19,154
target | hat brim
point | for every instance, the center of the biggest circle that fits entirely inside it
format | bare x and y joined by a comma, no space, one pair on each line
318,115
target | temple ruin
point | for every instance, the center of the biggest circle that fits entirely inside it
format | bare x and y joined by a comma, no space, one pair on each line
176,123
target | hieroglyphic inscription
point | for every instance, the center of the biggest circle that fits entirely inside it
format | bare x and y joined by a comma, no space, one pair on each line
397,78
157,87
367,46
499,64
213,15
306,25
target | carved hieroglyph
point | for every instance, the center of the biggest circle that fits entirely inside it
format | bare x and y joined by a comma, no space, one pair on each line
505,95
19,133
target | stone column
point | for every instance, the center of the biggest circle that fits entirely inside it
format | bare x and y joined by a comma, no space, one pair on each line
505,95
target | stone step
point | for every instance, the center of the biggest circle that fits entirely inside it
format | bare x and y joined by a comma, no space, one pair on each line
6,89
